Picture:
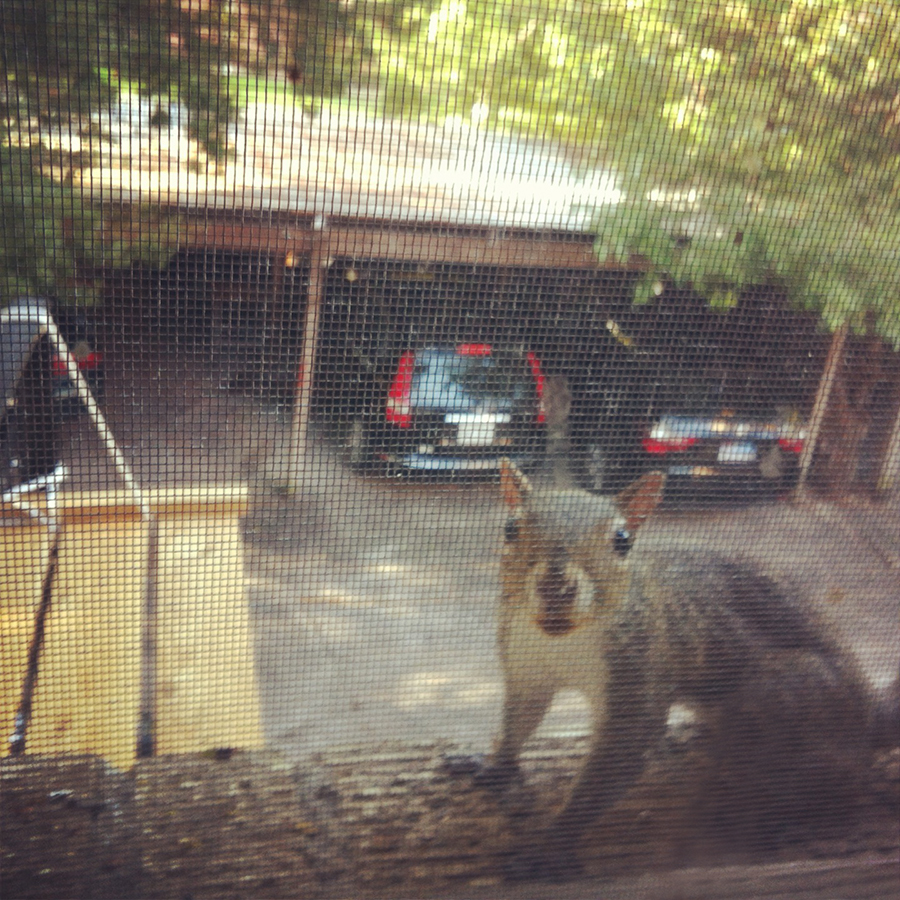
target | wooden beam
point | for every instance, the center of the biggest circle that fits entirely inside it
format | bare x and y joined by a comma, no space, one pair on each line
116,504
297,453
820,407
302,235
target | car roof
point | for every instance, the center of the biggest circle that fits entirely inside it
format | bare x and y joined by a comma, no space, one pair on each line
469,348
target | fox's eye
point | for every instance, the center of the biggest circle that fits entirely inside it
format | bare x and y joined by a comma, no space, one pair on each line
512,530
622,541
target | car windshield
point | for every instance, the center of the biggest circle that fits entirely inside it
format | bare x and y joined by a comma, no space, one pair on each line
495,382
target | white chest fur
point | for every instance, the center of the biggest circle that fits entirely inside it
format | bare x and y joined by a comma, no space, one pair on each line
572,660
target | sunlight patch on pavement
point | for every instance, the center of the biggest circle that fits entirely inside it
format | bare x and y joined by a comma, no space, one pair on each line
444,689
412,575
337,630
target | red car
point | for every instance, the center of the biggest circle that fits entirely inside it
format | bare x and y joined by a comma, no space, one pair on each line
456,408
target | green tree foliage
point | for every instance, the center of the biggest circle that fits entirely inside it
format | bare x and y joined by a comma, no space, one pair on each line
754,141
63,59
62,63
38,219
66,64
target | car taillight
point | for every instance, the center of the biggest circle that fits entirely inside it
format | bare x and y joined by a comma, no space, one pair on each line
668,445
398,410
793,445
86,363
538,374
91,361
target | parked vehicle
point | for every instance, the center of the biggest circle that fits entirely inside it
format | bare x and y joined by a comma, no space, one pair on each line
685,410
455,408
37,392
79,331
740,452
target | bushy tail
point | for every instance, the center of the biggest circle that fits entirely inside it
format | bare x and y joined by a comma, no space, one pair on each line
557,406
797,750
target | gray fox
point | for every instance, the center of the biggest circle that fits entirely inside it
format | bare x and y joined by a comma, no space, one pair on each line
636,632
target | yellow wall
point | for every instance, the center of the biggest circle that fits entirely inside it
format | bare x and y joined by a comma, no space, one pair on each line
87,698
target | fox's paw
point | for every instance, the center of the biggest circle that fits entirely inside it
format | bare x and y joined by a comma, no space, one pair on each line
495,777
461,765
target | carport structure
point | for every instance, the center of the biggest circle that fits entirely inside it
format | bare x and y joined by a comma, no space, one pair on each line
329,281
311,196
342,189
312,249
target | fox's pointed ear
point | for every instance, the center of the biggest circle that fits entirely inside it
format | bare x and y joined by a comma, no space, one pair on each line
639,499
513,484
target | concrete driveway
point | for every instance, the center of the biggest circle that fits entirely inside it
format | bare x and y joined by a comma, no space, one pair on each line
373,599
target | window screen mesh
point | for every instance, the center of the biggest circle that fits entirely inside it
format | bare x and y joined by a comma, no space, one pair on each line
448,449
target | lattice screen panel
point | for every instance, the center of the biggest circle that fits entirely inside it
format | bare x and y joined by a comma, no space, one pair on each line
449,449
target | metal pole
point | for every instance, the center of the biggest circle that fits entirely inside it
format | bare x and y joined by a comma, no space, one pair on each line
96,417
50,485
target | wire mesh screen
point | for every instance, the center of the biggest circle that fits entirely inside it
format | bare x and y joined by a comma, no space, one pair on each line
449,449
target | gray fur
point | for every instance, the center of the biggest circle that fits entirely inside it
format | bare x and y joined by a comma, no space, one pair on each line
789,712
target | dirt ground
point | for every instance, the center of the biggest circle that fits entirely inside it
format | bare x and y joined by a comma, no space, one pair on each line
373,600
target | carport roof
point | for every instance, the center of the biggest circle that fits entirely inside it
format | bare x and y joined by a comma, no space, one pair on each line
348,165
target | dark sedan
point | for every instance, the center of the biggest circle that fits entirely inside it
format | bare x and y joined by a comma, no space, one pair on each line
726,449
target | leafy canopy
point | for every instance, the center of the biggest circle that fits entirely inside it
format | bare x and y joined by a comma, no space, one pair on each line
65,67
754,141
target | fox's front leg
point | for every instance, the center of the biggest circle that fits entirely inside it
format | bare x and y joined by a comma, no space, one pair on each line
615,761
